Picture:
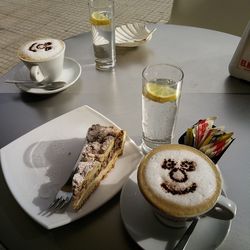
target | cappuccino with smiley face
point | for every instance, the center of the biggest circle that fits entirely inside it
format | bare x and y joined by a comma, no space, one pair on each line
179,181
41,49
44,58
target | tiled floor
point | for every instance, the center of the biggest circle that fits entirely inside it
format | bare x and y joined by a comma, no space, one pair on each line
22,20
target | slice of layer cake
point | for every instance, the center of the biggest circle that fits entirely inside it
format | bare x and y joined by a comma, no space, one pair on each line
98,157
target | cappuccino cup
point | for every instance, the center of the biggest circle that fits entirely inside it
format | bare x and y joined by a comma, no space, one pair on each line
44,58
181,183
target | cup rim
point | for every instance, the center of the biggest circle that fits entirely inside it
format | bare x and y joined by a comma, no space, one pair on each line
167,207
42,60
163,64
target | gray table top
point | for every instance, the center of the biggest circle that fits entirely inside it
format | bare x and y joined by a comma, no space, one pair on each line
208,90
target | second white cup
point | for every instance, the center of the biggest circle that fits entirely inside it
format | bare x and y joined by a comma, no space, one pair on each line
44,58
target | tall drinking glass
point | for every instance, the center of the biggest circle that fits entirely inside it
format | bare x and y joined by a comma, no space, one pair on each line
161,90
102,23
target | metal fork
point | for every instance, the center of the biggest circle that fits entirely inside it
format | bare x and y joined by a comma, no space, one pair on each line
63,197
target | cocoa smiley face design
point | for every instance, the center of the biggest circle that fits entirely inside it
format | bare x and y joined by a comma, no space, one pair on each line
40,46
178,174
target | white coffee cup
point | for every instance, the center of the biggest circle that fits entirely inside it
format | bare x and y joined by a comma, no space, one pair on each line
181,183
43,57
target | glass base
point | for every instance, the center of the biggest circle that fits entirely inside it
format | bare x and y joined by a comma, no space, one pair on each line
144,148
105,66
147,145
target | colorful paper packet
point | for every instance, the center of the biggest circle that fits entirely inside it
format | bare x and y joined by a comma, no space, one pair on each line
205,136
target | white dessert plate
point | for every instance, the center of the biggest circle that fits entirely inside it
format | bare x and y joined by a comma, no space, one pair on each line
149,233
132,35
37,164
71,72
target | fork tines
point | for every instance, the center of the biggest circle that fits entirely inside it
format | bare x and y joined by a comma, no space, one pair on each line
61,201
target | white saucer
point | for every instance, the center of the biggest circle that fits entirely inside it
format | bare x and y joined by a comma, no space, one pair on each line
149,233
71,72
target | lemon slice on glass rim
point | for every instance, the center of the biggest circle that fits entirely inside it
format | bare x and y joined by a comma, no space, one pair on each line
160,92
99,18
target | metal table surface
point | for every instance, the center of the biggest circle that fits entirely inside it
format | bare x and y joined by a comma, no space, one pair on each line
208,90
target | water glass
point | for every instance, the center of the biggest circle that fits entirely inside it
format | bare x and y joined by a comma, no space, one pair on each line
161,90
102,23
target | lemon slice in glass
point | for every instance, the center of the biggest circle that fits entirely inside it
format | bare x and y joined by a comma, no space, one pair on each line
99,18
160,92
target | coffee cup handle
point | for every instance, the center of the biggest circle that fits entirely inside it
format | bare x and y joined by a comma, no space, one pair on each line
225,209
36,74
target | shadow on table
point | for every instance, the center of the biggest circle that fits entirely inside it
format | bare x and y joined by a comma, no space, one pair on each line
236,86
236,100
134,55
33,98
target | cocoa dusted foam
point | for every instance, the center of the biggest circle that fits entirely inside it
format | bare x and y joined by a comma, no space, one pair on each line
42,49
179,180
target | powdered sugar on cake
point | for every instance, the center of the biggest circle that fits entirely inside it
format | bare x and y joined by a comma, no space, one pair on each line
181,177
98,157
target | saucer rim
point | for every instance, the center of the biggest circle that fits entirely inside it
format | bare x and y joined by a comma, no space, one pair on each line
67,85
